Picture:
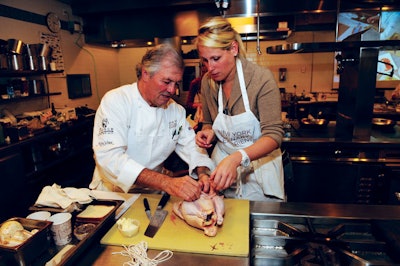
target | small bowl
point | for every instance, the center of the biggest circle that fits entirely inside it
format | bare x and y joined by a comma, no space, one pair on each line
383,123
315,123
128,227
40,215
81,231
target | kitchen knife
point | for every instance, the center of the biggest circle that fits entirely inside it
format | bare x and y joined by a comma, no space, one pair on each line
158,218
147,208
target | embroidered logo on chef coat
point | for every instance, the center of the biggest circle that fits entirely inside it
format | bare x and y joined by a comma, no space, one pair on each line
172,124
237,138
105,129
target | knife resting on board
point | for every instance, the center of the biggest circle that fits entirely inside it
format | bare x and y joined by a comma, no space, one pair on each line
158,218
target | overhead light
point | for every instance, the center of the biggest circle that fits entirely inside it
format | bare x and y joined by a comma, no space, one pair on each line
118,44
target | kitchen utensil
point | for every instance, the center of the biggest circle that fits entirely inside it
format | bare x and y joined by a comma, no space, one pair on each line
158,218
147,208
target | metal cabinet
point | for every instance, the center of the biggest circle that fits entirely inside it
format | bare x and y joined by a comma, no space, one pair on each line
348,173
12,189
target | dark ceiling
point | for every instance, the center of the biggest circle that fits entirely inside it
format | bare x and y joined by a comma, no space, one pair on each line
136,21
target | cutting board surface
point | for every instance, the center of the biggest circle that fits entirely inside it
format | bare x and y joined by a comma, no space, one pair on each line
232,238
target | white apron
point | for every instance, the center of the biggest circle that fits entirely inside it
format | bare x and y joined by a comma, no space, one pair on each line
265,176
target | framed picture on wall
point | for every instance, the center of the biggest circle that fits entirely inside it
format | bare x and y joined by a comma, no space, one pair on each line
79,86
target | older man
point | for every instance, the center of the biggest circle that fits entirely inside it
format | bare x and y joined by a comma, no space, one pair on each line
137,126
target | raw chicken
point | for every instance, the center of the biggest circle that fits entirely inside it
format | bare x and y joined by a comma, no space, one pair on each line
205,213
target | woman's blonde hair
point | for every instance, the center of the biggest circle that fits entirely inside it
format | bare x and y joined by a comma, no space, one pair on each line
217,32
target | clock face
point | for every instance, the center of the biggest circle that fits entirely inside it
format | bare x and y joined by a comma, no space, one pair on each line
53,22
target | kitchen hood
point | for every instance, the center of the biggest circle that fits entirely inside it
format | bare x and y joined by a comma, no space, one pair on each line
128,23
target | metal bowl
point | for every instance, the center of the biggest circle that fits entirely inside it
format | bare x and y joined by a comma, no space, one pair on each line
316,123
382,122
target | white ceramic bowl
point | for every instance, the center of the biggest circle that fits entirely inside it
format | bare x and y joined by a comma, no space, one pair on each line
40,215
129,227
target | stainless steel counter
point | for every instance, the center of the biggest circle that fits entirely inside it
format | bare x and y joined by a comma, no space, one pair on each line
379,212
327,134
103,255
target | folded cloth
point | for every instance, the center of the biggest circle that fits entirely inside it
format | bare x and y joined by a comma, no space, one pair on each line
55,196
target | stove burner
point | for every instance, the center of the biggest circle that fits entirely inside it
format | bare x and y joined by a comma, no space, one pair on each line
317,241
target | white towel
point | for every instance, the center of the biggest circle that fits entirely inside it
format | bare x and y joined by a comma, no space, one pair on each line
55,196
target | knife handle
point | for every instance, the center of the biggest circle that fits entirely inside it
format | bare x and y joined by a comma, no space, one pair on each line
164,199
146,204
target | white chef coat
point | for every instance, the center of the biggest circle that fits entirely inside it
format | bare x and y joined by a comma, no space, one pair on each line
130,135
265,176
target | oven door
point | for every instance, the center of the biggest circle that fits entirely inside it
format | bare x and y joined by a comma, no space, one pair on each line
329,181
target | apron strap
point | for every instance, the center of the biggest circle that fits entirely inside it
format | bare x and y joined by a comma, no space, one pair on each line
220,103
239,70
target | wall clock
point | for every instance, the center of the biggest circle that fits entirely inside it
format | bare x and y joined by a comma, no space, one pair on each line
53,22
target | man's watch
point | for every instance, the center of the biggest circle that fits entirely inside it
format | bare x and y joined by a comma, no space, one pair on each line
245,159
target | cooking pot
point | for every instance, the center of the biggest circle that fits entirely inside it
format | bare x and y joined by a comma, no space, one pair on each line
3,54
40,53
383,123
29,62
285,48
314,122
15,46
15,61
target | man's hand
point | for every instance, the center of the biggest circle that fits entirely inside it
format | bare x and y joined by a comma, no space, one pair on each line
184,187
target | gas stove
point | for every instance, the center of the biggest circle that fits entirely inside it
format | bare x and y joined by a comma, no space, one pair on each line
318,240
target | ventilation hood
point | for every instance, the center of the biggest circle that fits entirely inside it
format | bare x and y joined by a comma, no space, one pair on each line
136,23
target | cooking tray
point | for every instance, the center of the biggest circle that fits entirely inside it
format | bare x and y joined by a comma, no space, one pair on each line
102,226
27,251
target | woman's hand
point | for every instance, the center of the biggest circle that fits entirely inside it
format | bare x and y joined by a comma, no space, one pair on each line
224,175
204,138
204,181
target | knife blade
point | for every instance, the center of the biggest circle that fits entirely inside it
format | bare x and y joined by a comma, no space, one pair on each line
158,218
147,208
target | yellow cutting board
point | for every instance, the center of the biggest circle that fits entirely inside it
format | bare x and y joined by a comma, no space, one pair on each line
232,238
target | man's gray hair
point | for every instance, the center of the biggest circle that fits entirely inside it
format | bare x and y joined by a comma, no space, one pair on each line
151,61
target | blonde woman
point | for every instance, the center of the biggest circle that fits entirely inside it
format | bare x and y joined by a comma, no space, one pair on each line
241,115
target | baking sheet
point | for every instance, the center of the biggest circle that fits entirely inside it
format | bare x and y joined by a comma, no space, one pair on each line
232,238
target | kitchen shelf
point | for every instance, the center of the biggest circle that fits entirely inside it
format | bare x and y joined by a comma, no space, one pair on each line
22,73
4,74
30,97
320,47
